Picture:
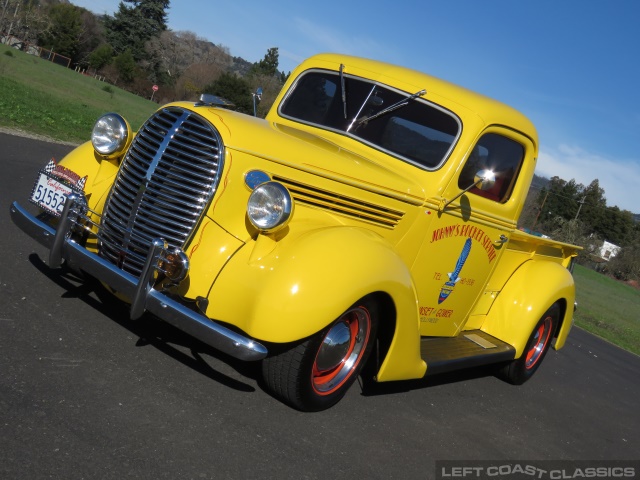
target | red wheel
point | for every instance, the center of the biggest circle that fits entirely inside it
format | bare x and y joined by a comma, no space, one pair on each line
539,343
522,369
340,351
316,373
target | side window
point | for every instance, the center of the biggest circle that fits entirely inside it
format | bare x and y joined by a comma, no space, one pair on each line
499,154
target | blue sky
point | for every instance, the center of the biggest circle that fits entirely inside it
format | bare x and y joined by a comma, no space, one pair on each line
572,66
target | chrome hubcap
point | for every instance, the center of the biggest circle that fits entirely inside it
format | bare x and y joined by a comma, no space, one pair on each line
335,347
539,343
341,350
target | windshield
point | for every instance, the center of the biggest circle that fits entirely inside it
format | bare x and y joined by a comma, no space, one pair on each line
413,129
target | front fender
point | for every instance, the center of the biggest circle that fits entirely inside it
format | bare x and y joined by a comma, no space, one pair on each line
286,290
100,172
530,291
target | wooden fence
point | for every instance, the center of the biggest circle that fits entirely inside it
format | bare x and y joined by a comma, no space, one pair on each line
33,49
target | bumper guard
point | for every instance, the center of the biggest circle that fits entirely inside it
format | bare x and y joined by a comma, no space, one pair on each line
140,290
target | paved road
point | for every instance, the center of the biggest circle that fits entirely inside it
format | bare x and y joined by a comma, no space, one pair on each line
84,393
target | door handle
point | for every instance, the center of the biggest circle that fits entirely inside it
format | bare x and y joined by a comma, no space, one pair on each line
503,239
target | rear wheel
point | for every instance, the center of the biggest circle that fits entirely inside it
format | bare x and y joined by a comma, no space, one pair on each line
315,374
522,369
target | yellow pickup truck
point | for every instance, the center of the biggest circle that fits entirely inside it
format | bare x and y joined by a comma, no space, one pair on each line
367,226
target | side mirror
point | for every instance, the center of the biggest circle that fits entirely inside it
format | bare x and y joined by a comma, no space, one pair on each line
484,180
257,97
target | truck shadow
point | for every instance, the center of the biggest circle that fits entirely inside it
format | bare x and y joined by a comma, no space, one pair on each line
149,330
175,343
371,389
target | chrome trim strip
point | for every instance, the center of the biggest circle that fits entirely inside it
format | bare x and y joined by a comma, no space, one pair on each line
151,300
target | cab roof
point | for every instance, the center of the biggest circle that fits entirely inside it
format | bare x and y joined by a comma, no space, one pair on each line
449,95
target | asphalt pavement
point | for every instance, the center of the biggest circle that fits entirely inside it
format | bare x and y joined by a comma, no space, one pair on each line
87,394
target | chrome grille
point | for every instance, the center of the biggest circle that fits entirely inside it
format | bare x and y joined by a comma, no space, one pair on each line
166,181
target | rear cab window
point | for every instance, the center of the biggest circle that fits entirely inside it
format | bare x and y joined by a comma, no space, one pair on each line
500,154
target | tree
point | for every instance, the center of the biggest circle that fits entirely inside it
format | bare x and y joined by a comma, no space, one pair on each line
626,264
91,36
530,211
194,80
178,51
132,26
66,28
617,226
126,66
101,56
26,19
577,232
268,65
234,89
557,199
264,74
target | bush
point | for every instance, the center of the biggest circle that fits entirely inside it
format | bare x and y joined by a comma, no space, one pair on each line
626,264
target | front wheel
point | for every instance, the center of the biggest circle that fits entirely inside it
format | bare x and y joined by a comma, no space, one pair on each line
315,374
522,369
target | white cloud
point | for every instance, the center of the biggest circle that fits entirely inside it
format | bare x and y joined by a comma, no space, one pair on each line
324,39
619,179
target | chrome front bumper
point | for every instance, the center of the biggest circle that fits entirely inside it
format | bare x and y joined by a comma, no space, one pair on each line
140,290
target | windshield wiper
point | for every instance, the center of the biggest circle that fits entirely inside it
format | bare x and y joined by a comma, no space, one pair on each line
343,90
390,108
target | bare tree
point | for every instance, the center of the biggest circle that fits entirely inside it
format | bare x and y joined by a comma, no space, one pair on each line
193,80
182,52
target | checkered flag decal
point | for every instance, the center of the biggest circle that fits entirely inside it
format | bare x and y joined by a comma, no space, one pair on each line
50,166
81,183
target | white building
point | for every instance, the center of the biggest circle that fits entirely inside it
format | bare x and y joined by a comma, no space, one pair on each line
609,250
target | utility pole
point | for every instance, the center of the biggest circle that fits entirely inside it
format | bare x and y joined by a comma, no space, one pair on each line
580,207
540,211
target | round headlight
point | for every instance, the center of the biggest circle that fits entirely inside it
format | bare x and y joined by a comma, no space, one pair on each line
110,134
269,206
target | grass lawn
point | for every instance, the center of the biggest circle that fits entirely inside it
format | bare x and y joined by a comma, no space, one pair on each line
608,308
41,97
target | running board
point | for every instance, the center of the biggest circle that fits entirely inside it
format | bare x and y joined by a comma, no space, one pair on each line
472,348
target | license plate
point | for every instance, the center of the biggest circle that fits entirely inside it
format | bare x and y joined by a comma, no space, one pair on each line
50,193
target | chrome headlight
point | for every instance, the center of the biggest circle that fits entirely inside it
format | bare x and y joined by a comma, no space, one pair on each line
111,135
270,206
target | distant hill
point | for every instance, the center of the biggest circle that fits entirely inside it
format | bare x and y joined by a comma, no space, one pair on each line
240,66
539,182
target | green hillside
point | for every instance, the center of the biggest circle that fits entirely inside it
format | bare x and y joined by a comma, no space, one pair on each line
41,97
608,308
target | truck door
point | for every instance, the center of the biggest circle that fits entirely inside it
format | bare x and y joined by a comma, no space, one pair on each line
464,240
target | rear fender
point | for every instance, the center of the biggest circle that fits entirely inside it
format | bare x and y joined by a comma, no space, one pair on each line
530,291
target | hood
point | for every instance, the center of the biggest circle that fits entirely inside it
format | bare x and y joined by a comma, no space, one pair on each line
303,150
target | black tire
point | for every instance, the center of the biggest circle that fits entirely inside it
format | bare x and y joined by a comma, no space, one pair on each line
315,374
522,369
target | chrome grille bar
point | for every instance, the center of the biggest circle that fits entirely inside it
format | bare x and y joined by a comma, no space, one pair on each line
165,183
